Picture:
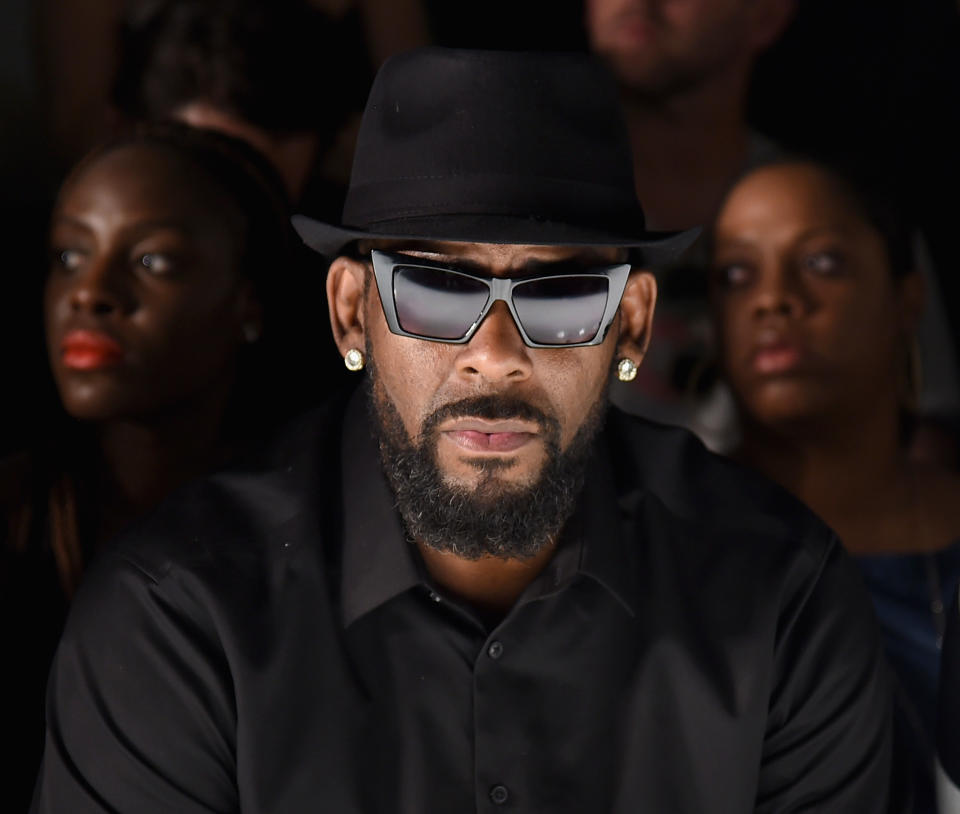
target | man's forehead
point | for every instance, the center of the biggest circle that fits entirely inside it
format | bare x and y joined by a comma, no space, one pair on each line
503,257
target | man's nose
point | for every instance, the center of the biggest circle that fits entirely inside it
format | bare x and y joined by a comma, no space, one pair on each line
496,352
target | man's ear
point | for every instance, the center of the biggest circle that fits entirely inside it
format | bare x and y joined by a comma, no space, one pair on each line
636,315
345,289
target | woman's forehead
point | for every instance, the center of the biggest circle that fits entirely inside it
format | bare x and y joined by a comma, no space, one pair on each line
146,181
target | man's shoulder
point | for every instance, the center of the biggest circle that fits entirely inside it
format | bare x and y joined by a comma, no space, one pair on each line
705,489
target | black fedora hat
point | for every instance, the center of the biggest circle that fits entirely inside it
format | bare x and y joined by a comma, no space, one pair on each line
493,147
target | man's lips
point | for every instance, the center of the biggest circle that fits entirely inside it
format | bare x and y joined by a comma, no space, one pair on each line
478,435
634,26
88,350
637,31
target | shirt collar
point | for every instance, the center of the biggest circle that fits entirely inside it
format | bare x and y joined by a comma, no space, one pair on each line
377,561
608,552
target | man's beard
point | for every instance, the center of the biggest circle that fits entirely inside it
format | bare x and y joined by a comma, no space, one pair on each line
657,87
658,83
492,518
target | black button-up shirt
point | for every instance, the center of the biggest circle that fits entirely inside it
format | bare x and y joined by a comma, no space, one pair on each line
270,642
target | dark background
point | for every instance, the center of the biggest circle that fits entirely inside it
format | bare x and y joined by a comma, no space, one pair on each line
875,81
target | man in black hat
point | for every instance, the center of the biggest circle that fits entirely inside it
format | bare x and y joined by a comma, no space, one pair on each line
470,585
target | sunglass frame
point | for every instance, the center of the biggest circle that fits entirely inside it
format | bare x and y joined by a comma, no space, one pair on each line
499,289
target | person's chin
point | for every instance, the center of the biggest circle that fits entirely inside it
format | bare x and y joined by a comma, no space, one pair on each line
494,472
788,404
92,400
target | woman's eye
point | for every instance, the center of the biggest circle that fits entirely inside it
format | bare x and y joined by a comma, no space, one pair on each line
823,263
156,263
732,275
69,259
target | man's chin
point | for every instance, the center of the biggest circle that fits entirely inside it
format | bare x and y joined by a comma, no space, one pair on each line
489,487
478,505
491,474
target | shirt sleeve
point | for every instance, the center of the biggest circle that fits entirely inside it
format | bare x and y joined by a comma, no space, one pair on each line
140,709
828,745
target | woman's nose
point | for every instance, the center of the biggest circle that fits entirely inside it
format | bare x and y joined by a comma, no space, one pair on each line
97,289
778,293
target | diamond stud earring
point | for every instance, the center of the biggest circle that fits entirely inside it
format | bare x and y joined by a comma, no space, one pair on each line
354,360
626,370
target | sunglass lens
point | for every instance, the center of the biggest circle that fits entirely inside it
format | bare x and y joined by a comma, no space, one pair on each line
435,303
561,310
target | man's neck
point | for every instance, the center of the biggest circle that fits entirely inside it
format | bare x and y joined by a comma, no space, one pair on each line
688,149
491,585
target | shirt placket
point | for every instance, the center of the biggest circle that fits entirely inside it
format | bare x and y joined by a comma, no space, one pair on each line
497,784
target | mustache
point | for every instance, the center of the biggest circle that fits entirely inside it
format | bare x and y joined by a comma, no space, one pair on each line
493,408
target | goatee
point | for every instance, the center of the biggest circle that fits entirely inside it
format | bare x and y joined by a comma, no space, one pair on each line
492,518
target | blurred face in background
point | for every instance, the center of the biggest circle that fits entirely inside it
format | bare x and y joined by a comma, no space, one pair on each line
144,303
658,48
811,321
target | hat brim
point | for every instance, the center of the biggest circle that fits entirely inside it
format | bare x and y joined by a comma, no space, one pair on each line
651,249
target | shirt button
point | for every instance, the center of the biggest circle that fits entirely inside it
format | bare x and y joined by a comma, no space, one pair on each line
435,596
495,650
499,795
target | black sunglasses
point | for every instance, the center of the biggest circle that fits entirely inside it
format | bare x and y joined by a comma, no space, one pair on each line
428,300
